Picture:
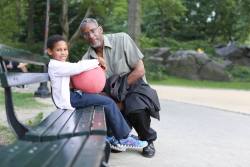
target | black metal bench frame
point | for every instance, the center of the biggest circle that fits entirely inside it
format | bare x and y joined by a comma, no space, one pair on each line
88,123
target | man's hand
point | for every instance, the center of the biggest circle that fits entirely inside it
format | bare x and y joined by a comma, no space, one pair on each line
102,63
120,105
136,73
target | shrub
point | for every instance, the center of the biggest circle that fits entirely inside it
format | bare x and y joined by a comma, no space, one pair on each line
189,45
146,42
240,73
154,71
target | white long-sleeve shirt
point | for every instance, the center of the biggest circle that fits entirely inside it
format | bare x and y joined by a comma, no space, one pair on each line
59,73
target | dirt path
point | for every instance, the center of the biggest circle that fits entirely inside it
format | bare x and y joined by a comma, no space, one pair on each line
232,100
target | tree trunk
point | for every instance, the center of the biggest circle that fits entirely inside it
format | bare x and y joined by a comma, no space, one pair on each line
46,29
18,14
134,20
64,19
30,29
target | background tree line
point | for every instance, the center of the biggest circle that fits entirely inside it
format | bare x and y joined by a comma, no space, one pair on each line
158,23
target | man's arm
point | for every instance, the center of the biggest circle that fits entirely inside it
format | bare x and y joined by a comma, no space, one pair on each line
137,73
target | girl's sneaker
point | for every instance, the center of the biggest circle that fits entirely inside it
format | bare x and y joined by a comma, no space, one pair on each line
132,143
128,143
114,145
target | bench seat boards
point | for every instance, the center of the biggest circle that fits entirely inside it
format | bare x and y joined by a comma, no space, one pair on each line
63,123
76,151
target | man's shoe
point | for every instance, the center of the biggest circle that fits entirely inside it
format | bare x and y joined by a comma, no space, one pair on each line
149,150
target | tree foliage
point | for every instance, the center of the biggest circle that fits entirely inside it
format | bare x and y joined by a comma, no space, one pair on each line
222,20
160,17
214,21
12,14
117,17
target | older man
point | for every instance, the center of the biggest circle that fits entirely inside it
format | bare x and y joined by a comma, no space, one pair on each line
119,54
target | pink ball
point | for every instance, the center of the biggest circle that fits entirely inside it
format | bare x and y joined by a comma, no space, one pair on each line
92,81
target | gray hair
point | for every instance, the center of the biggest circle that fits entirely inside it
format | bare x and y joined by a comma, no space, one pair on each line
85,21
88,20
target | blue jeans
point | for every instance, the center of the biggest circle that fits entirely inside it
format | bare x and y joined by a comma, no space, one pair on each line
114,119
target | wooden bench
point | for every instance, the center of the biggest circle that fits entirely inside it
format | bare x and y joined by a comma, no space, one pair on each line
64,138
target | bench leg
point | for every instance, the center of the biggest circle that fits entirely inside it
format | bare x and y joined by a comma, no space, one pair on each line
107,152
18,128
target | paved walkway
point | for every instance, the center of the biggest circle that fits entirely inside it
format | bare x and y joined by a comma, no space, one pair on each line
194,136
198,128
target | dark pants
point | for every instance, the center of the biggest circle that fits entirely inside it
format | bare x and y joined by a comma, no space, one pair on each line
140,120
114,119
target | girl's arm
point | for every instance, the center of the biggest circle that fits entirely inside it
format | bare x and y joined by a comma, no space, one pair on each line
59,68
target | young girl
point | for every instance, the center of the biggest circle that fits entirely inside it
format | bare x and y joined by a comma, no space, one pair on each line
60,71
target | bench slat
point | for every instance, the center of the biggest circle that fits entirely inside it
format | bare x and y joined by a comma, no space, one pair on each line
35,134
85,122
53,131
47,153
98,122
68,123
23,157
68,153
91,155
14,79
11,151
27,155
71,124
61,124
62,152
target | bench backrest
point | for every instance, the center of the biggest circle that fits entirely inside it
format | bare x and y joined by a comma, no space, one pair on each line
9,79
20,55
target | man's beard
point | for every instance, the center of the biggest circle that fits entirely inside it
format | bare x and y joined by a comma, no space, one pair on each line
96,44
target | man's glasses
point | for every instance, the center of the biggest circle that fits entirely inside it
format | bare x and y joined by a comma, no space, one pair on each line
92,31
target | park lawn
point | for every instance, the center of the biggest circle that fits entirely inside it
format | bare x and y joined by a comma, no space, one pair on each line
174,81
25,101
22,100
6,135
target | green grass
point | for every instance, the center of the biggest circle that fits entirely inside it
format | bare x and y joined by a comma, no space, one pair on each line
36,120
22,100
174,81
6,135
